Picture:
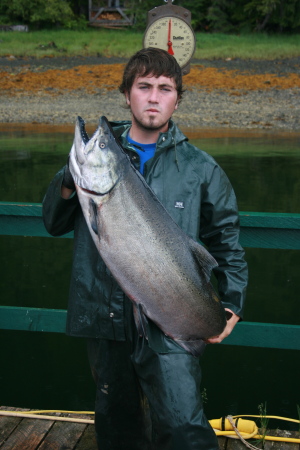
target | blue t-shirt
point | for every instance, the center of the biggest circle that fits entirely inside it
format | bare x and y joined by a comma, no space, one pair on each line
145,151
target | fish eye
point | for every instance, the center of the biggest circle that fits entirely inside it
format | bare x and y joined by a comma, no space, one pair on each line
101,145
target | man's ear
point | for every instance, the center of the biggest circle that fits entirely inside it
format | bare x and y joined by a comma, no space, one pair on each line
127,98
177,103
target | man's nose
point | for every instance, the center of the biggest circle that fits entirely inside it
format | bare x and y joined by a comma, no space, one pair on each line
154,94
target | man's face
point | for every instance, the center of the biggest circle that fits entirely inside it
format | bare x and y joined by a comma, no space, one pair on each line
152,102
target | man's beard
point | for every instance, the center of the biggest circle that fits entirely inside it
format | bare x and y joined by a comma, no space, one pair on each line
150,126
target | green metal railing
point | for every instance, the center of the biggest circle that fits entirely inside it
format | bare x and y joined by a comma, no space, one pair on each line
258,230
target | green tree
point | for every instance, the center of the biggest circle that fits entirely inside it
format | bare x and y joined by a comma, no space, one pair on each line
262,11
199,11
273,15
38,12
286,17
219,15
140,10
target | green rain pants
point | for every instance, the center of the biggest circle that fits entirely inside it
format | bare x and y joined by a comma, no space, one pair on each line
148,399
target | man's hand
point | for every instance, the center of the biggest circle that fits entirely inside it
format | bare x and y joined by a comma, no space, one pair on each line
228,329
68,185
68,181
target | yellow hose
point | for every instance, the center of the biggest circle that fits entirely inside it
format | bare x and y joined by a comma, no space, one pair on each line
248,428
277,438
48,411
269,417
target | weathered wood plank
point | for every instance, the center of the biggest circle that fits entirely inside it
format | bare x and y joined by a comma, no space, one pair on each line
275,445
7,424
222,441
235,444
28,435
63,435
87,440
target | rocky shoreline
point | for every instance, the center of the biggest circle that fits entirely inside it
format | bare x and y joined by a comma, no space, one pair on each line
274,108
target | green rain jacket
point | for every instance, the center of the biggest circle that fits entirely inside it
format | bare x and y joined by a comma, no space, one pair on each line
199,197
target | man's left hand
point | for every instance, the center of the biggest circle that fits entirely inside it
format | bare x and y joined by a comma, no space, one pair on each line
228,329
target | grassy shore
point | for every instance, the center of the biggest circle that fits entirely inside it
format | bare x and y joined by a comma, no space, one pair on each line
123,43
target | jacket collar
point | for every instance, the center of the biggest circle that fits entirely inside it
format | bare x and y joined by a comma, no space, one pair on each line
165,140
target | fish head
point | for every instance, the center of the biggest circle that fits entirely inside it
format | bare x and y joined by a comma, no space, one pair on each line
96,162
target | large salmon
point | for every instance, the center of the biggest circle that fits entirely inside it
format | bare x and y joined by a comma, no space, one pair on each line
164,272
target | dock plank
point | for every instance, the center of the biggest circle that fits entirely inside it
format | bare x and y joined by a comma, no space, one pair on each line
32,434
27,435
8,424
222,441
235,444
275,445
46,434
88,439
63,435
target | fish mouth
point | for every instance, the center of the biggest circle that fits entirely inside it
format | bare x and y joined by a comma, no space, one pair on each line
103,124
84,136
94,193
89,191
104,127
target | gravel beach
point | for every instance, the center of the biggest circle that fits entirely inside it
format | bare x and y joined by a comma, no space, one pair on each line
266,107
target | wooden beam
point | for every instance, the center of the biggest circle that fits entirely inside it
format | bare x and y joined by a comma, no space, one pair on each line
23,219
270,230
250,334
270,335
258,230
32,319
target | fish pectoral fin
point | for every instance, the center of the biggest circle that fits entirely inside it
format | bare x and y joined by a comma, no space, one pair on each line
93,216
206,261
140,320
196,348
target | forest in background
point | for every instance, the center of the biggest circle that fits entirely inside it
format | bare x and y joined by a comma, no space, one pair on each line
224,16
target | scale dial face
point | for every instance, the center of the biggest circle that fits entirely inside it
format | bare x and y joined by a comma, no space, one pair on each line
174,35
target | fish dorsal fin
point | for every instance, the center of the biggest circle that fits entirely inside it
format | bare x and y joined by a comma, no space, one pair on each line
206,261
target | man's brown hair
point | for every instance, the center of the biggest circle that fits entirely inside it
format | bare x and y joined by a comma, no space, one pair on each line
151,61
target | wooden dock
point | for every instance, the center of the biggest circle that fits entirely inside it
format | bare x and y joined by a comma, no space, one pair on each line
21,433
26,433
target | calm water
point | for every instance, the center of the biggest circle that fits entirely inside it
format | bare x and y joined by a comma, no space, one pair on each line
48,370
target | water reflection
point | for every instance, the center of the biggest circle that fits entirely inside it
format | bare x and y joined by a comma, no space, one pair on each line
264,170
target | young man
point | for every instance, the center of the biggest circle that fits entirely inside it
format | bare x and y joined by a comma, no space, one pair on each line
148,390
